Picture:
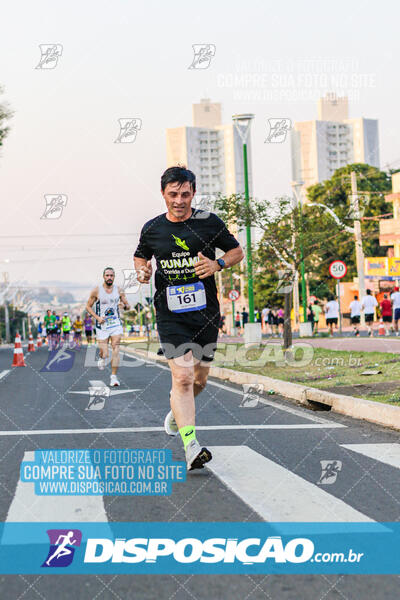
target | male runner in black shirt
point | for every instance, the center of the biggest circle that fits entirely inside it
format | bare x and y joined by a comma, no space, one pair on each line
183,242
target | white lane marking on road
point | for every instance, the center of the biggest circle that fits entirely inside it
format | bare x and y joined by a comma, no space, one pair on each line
274,492
29,432
99,383
303,413
27,506
386,453
112,392
4,373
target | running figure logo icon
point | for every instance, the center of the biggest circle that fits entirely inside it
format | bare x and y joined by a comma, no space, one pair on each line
62,547
286,281
128,129
330,470
59,361
131,284
55,203
202,204
98,396
251,395
50,53
278,130
203,53
180,243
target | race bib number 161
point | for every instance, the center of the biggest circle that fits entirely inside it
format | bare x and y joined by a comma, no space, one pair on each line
184,298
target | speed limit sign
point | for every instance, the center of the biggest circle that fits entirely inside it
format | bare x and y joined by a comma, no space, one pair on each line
233,295
337,269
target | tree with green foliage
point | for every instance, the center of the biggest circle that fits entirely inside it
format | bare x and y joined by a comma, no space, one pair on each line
5,115
335,194
324,226
277,256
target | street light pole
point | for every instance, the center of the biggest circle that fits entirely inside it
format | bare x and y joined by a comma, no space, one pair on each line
242,124
7,320
153,317
248,239
295,186
358,240
233,303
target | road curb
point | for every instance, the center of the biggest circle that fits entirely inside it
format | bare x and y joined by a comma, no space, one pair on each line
357,408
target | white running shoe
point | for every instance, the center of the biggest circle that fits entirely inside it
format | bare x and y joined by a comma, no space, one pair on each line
101,363
170,426
196,456
114,381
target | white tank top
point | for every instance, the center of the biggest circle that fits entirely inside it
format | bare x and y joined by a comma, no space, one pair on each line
107,307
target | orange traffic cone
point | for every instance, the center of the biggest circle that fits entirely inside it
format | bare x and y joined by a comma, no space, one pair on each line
381,328
31,345
39,340
18,358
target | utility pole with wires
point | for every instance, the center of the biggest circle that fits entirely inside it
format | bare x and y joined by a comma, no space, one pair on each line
358,240
6,284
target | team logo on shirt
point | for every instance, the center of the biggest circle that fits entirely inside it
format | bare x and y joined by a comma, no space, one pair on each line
180,243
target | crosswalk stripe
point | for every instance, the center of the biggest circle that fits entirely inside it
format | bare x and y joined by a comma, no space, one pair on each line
4,373
386,453
27,506
30,432
274,492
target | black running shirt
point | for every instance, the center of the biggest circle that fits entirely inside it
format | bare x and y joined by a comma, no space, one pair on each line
175,247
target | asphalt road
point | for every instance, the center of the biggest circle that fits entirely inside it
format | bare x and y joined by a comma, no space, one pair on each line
266,467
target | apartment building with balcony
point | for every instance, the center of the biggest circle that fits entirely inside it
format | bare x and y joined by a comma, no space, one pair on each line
320,146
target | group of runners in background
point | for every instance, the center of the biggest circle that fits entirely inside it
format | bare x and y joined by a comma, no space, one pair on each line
65,329
387,311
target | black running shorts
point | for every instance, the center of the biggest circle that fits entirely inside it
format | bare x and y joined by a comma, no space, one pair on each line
179,339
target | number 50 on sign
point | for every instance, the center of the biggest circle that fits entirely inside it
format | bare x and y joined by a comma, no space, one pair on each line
337,269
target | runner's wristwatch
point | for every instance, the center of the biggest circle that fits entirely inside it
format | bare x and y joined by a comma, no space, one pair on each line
221,263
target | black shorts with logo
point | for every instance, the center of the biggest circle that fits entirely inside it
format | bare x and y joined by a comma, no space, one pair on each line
178,338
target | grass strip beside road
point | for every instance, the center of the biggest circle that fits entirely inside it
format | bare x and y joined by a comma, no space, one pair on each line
338,371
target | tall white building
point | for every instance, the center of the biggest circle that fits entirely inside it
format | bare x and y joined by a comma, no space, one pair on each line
321,146
213,151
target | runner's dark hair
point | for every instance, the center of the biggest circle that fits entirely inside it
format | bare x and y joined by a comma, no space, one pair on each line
108,269
179,174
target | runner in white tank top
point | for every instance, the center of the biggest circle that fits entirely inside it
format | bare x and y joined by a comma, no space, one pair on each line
107,307
108,322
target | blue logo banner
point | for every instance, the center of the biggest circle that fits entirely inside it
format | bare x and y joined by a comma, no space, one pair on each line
210,548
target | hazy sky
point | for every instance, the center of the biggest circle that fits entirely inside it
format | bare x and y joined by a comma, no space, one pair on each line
125,59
